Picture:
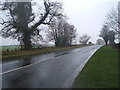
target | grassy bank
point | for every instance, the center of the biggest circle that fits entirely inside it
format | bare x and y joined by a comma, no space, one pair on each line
101,71
19,54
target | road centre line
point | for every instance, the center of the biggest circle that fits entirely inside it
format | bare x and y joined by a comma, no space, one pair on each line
27,66
24,67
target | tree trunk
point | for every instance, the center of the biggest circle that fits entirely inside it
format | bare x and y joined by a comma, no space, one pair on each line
106,43
27,41
57,43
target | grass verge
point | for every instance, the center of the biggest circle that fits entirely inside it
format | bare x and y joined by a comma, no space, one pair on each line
20,54
101,71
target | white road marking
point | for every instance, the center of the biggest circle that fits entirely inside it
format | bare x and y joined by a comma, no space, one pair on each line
25,66
22,67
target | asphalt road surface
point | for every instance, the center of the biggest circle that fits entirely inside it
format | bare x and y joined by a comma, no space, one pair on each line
53,70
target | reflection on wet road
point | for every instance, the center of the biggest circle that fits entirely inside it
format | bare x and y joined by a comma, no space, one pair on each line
53,70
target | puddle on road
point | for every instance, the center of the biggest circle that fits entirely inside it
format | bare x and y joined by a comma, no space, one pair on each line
13,64
61,54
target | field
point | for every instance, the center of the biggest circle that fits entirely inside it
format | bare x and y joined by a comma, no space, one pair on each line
10,48
101,71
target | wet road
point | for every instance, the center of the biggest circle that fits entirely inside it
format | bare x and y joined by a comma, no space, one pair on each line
53,70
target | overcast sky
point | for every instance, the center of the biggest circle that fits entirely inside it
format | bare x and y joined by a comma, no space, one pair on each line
86,15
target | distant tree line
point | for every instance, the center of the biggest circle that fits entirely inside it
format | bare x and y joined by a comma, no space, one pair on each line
84,39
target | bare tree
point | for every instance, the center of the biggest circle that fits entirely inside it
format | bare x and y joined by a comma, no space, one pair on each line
21,23
61,32
104,34
113,21
111,37
100,42
84,39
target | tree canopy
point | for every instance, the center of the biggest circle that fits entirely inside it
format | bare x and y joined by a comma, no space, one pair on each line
21,23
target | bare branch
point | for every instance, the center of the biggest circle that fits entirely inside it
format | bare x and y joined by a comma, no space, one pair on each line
49,10
32,19
4,22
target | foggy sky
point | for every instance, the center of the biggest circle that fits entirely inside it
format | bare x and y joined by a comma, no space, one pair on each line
86,15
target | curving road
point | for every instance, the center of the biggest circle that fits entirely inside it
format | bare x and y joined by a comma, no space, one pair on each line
53,70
